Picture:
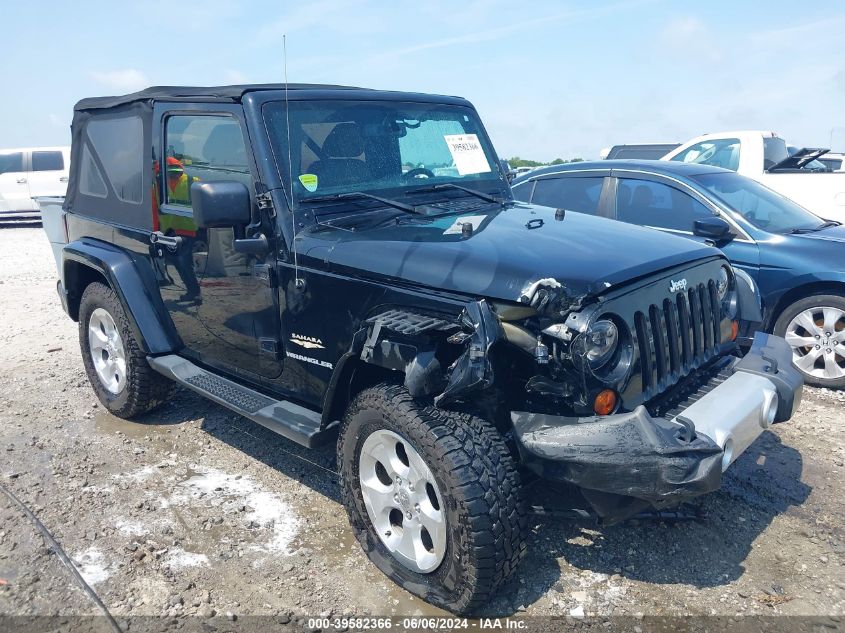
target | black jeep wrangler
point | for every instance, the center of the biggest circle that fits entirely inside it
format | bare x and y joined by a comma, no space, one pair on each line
340,264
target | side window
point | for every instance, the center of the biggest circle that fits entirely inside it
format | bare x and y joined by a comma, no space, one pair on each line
573,194
655,204
722,152
202,148
774,151
91,181
522,191
119,143
11,162
47,161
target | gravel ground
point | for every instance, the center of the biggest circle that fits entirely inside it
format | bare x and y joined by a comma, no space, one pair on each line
194,510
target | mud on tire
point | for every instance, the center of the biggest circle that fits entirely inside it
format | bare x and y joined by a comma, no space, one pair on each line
143,389
478,481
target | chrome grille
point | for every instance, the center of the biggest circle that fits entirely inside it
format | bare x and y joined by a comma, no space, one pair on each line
677,336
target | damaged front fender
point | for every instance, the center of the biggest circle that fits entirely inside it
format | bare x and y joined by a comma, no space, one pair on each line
472,371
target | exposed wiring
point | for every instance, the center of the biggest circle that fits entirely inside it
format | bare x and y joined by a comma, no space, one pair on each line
54,544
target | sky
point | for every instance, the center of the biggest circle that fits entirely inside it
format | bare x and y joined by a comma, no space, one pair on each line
549,78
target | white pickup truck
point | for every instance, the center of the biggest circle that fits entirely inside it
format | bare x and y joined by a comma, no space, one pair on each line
764,157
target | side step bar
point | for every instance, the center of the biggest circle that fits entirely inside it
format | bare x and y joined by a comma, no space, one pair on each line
280,416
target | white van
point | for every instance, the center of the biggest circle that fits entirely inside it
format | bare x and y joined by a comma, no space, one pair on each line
27,173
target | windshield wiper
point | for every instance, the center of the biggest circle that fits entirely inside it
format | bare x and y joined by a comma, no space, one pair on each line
407,208
826,225
451,185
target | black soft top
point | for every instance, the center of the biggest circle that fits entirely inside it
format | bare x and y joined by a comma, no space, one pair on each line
194,93
111,157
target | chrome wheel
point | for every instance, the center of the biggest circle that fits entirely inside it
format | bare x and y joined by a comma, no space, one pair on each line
402,501
107,352
817,337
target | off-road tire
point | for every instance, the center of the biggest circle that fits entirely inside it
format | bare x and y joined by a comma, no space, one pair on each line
791,311
144,389
479,481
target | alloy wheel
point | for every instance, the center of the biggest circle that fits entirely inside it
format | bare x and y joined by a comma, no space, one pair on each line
403,501
107,352
817,338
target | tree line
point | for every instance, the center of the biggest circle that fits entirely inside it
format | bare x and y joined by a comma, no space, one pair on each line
516,161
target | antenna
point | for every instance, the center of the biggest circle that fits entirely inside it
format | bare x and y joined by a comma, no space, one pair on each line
298,283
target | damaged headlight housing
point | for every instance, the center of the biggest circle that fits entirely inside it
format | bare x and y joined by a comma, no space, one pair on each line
600,341
604,349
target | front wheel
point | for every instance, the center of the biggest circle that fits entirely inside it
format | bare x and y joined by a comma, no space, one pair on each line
433,497
815,329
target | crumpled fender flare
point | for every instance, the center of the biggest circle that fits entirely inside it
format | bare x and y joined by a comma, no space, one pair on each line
416,360
136,287
473,370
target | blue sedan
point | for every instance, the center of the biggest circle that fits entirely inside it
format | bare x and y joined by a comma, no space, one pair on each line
796,258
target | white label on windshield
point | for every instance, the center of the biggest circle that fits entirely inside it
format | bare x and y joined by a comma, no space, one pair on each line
467,153
457,225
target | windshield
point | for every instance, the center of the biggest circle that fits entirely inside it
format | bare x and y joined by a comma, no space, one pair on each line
354,146
758,204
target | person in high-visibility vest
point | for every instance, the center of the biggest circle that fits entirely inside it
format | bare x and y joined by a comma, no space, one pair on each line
179,193
178,182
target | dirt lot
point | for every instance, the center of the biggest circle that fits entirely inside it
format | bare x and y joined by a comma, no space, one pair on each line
197,511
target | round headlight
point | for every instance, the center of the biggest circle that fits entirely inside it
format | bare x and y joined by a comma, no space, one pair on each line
600,342
723,282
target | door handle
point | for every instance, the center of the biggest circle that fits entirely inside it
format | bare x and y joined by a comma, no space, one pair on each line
63,179
172,242
21,181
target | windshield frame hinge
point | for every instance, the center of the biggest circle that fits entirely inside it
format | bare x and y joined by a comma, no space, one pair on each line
265,201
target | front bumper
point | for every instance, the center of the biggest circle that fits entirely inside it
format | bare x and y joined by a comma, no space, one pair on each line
627,462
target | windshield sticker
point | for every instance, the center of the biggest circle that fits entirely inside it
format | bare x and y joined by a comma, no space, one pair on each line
309,181
467,153
457,225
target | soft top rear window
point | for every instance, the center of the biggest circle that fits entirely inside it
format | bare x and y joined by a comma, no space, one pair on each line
119,144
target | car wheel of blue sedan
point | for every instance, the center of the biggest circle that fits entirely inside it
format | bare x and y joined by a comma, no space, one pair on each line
815,329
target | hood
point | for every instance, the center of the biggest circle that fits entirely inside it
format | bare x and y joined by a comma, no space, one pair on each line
820,252
507,251
828,234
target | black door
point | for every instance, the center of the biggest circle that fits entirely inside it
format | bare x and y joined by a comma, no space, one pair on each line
220,300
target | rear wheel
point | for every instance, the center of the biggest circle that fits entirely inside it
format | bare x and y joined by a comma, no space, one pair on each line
433,497
116,366
815,329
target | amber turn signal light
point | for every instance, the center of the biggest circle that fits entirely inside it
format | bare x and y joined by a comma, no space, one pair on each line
734,330
605,402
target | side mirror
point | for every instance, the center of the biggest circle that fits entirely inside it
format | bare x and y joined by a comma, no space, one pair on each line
220,204
714,228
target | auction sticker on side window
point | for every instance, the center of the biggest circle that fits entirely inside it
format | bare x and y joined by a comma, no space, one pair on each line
467,153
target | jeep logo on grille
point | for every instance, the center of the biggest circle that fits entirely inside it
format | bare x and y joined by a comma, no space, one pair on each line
675,286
